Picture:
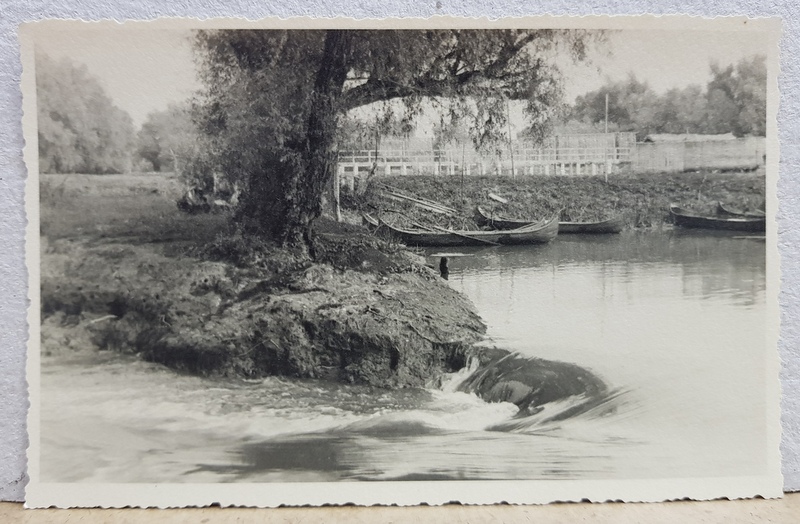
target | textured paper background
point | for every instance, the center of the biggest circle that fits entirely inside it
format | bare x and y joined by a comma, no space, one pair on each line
13,399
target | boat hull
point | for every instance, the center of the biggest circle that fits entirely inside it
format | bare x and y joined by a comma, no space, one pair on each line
539,233
726,212
610,226
683,218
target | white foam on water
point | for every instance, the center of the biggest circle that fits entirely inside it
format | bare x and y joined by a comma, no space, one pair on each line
449,411
468,412
605,422
451,381
451,255
279,422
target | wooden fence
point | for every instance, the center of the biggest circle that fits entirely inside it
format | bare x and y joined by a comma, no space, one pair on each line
596,155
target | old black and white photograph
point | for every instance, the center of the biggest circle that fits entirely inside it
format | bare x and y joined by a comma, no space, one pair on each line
337,261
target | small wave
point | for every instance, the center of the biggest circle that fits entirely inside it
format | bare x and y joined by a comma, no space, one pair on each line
542,390
451,381
554,415
447,412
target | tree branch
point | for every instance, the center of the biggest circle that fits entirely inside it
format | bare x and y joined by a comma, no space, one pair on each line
431,84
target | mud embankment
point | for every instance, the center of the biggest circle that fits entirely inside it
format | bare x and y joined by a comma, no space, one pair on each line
641,200
394,326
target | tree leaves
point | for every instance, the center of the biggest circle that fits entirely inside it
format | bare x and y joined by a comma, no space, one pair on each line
274,100
80,129
737,98
168,139
269,75
735,101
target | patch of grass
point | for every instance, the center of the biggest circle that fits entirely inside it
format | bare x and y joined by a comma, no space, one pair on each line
137,209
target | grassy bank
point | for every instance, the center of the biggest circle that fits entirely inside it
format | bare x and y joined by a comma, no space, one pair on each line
135,208
642,200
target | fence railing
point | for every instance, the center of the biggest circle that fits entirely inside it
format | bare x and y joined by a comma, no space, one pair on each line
744,153
573,154
597,160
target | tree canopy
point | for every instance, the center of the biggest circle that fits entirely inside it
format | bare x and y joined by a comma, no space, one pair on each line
734,101
167,139
737,98
80,129
274,100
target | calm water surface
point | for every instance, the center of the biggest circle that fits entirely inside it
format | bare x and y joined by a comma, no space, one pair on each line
673,322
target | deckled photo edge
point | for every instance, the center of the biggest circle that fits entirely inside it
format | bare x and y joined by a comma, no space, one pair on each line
32,253
406,492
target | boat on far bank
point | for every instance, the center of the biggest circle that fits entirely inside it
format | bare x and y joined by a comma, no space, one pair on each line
724,211
609,226
688,219
535,233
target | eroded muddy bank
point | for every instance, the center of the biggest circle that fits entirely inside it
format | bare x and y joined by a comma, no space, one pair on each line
384,319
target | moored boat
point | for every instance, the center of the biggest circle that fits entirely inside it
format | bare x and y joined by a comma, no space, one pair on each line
684,218
609,226
725,211
536,233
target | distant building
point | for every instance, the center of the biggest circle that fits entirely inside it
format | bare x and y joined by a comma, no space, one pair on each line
693,152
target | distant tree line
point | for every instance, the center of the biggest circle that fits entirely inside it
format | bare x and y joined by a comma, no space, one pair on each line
168,140
733,101
81,130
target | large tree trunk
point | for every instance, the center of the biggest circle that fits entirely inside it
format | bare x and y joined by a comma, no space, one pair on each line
284,194
305,184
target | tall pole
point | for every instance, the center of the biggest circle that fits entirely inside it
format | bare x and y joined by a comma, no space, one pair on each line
463,166
510,146
606,148
337,181
377,139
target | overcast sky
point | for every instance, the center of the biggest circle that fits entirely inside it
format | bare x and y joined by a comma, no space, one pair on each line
145,70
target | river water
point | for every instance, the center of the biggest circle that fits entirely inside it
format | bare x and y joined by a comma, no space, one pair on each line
674,323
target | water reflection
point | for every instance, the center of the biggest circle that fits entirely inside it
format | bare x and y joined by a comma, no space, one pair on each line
421,453
676,321
707,265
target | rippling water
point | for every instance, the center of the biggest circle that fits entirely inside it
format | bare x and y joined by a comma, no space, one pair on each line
674,323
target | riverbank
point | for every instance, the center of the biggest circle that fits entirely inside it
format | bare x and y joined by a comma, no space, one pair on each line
122,269
391,328
642,200
573,301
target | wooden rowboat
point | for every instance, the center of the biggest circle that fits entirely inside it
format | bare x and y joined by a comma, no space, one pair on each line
609,226
688,219
537,233
724,211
